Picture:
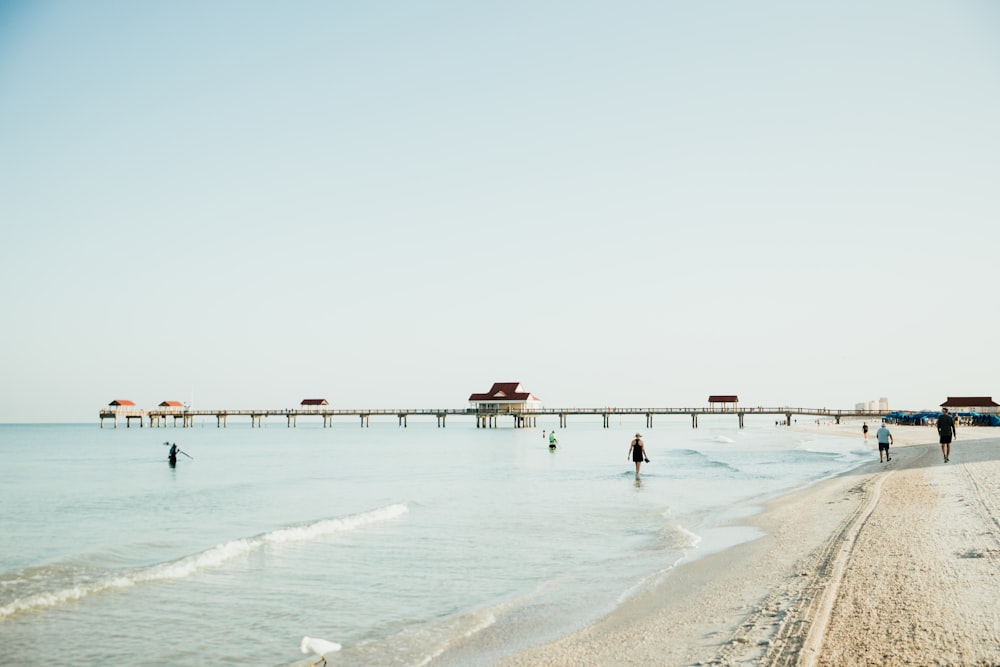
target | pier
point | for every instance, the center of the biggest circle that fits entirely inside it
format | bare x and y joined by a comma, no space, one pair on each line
484,418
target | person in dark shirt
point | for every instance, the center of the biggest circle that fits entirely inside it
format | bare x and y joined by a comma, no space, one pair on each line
946,429
637,452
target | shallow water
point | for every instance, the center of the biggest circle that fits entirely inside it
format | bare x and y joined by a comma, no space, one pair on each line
408,546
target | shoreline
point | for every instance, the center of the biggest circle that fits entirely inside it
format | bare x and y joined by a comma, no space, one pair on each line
914,536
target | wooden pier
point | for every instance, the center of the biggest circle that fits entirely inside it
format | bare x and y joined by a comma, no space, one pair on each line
185,418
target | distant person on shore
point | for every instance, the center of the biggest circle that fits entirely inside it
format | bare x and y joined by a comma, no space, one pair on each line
552,440
637,452
884,440
864,429
946,429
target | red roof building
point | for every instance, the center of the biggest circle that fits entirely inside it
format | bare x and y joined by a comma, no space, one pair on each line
721,398
505,398
972,403
171,404
314,401
121,403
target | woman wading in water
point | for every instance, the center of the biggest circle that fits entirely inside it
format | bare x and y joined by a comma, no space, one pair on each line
637,452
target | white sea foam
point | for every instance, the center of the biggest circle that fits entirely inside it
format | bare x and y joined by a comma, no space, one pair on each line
208,559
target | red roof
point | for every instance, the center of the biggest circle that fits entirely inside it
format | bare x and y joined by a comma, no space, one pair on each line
970,402
504,391
723,399
314,401
122,403
171,404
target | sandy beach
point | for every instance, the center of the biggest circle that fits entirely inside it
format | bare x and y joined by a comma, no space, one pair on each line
891,564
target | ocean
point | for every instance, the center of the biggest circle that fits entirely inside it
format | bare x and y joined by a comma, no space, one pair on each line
409,546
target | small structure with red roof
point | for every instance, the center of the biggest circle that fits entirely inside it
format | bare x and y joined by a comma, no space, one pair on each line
505,398
313,402
121,407
983,404
727,401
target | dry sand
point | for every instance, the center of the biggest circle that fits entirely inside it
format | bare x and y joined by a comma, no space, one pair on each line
890,564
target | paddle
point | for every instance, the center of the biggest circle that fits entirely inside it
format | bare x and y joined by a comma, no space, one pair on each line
181,451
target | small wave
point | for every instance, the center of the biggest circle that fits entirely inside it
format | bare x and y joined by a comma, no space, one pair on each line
724,439
676,537
689,452
421,643
704,460
188,565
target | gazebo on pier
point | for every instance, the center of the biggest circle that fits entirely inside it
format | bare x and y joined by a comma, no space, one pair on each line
728,402
121,407
505,398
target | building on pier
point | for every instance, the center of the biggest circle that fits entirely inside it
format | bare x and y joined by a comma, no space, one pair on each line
121,408
313,402
726,402
505,398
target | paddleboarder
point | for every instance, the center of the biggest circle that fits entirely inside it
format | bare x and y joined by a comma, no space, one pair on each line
172,455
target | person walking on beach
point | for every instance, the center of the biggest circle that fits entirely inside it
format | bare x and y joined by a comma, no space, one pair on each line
637,452
884,440
946,430
552,440
864,429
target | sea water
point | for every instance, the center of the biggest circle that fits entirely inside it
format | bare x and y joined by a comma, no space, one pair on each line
409,546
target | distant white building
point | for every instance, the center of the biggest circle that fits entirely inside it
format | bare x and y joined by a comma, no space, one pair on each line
881,405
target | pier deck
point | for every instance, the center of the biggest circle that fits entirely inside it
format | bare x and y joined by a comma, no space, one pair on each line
160,418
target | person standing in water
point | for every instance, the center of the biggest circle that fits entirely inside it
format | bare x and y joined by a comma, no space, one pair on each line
637,452
864,429
946,429
172,456
552,440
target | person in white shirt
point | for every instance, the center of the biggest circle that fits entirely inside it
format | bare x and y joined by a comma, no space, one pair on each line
884,440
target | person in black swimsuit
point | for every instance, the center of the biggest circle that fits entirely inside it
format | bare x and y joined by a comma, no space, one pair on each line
637,452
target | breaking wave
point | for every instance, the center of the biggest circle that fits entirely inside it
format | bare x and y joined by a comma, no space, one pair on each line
68,584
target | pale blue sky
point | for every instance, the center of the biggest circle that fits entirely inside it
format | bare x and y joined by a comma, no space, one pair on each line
396,204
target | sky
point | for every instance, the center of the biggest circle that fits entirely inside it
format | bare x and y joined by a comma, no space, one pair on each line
242,204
